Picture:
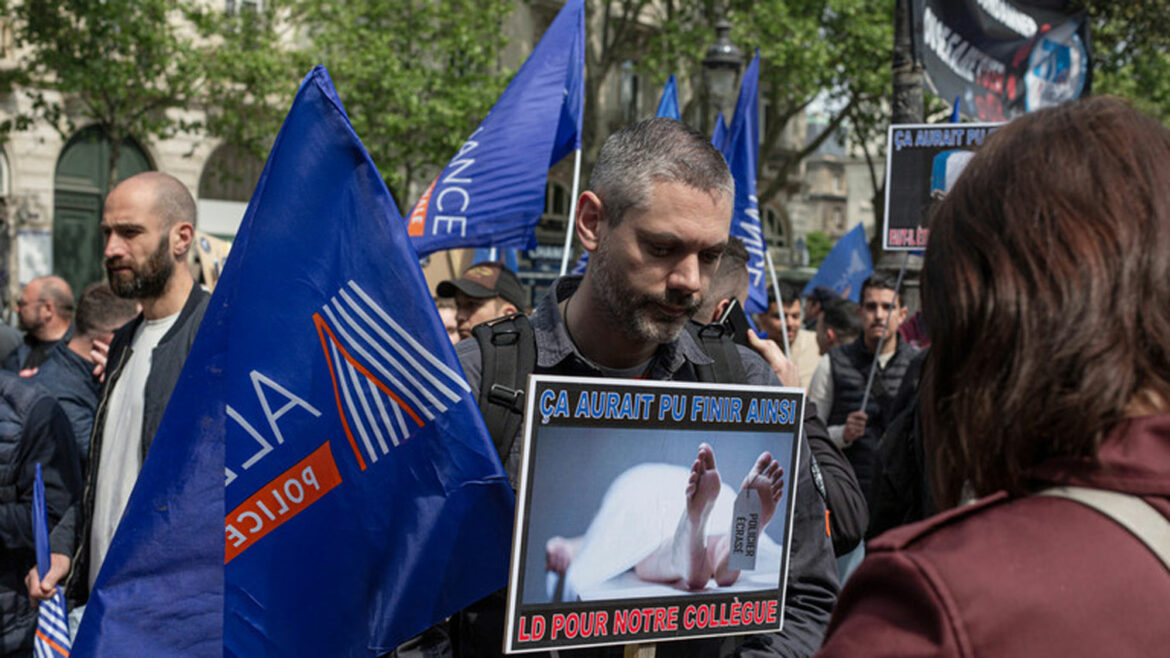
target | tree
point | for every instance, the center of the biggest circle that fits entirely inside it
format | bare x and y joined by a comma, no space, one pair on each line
121,65
1131,52
808,48
415,76
251,60
819,245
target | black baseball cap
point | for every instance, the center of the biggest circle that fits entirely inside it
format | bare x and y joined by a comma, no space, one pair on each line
488,279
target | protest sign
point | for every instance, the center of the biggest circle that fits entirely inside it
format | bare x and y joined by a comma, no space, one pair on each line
922,162
651,511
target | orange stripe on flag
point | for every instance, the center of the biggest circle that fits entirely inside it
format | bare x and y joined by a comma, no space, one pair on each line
47,640
289,494
321,327
418,215
369,375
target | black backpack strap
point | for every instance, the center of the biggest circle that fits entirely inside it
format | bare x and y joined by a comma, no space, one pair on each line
507,347
715,339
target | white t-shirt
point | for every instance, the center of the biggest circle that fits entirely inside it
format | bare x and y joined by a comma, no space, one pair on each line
122,440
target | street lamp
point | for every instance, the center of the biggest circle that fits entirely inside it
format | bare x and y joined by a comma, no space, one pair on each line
721,67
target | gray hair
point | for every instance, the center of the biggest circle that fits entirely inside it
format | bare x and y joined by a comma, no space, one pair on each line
658,150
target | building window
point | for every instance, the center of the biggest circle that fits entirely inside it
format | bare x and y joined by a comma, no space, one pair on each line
230,7
556,201
773,227
631,92
837,184
838,218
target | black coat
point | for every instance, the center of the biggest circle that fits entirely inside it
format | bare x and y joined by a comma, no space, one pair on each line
33,429
71,536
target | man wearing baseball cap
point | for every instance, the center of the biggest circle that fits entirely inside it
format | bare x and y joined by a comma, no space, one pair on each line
483,292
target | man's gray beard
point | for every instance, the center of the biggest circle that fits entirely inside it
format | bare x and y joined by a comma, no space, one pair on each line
631,312
151,282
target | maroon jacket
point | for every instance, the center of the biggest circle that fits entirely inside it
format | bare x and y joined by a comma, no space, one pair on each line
1033,576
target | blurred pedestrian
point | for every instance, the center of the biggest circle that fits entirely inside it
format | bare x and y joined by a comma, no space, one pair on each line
45,314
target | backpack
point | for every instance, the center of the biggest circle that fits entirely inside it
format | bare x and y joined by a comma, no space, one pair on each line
507,348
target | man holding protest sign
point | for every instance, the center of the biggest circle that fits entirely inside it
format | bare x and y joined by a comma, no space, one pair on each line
656,222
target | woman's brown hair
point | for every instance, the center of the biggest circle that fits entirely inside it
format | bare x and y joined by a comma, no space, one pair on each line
1046,290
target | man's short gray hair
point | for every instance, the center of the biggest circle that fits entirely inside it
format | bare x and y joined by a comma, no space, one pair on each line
658,150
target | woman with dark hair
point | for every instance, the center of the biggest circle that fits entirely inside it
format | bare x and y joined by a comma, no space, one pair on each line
1046,290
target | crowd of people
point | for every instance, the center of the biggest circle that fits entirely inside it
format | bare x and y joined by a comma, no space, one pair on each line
1012,479
1039,364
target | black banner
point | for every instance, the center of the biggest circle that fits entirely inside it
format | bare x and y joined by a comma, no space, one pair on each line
1002,58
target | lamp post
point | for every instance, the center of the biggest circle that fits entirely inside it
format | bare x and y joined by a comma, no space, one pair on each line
721,71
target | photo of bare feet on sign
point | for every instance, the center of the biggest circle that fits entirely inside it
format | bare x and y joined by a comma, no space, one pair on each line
658,528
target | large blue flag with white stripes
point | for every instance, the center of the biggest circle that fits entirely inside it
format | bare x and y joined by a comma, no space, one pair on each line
742,153
322,424
52,634
492,192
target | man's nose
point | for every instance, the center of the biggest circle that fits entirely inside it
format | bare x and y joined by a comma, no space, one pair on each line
685,276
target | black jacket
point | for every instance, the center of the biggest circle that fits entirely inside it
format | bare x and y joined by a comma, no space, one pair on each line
71,536
835,481
33,429
850,371
901,488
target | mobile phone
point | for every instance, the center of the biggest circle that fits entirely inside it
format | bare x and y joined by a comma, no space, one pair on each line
735,321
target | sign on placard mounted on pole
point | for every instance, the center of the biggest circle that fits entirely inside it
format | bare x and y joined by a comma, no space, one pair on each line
623,482
923,161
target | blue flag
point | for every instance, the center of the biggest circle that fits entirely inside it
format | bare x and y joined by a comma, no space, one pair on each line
509,257
492,192
846,267
52,634
742,152
719,137
668,103
323,423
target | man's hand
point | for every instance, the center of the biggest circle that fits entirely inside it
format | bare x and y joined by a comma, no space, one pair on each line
99,353
854,426
784,369
43,590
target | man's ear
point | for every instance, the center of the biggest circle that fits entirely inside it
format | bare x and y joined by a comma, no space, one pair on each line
832,334
182,234
506,309
590,216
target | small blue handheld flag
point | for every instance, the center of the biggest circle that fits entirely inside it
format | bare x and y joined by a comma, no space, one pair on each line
492,192
668,103
52,634
323,425
846,267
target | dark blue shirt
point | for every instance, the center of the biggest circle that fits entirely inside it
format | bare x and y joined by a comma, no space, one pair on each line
69,377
